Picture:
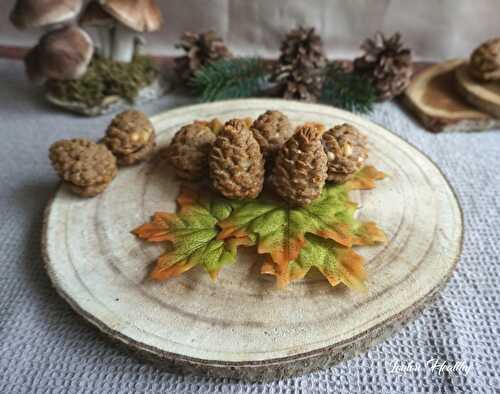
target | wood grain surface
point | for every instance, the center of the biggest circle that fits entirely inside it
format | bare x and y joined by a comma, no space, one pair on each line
483,95
434,98
242,326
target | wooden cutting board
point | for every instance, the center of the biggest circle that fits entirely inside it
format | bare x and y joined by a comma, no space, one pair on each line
435,99
242,326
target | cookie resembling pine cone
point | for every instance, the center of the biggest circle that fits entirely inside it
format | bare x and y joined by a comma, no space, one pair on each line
300,169
85,166
484,62
236,162
271,130
346,151
131,137
188,152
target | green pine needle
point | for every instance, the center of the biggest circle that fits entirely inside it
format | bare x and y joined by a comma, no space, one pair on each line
230,78
346,90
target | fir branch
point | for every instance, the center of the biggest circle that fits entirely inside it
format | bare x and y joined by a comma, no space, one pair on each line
230,78
347,90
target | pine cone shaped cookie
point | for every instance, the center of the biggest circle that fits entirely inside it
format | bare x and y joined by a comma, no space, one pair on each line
188,152
87,167
346,151
271,130
236,162
300,170
131,137
485,61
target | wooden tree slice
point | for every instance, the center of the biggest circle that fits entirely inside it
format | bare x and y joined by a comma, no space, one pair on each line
483,95
242,326
436,102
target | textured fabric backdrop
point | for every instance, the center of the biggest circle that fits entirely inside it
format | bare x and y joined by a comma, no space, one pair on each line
45,347
435,29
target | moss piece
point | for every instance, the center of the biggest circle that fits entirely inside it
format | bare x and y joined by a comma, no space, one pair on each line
104,78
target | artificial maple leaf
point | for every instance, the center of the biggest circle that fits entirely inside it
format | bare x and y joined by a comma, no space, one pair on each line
338,264
193,234
279,230
364,179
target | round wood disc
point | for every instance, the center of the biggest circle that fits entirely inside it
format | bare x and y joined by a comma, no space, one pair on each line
434,97
483,95
242,326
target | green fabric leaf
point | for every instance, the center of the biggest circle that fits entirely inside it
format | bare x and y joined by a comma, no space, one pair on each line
338,264
192,233
280,230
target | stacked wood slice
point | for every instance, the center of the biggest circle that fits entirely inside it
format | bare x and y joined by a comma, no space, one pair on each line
459,95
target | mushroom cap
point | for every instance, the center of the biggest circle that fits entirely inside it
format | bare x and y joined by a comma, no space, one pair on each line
65,53
37,13
95,15
138,15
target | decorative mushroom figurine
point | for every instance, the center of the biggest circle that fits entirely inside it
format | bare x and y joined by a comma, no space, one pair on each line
61,54
134,17
95,16
117,78
65,53
44,13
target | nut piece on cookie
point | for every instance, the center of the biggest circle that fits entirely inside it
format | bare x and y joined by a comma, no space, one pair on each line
131,137
88,168
215,124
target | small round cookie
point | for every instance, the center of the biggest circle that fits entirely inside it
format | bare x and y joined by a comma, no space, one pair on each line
129,133
86,166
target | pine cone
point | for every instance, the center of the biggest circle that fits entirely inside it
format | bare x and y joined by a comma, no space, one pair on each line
299,72
271,130
188,152
236,162
86,166
387,63
300,169
346,151
131,137
200,49
304,45
485,61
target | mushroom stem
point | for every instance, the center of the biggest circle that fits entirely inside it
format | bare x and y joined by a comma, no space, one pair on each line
123,44
105,37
